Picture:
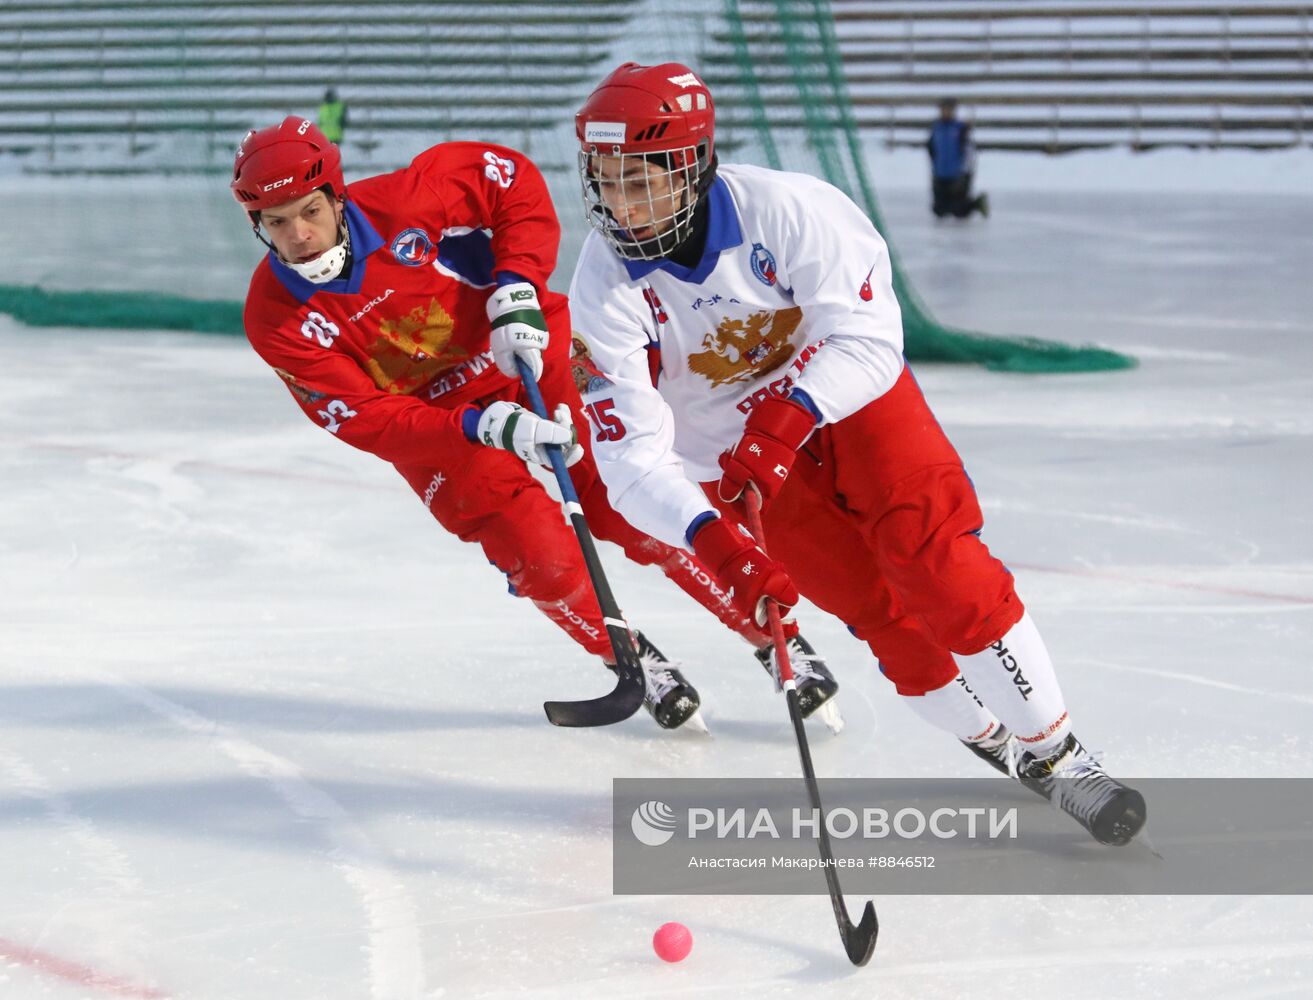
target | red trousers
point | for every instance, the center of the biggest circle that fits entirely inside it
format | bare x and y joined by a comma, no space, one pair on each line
488,496
879,525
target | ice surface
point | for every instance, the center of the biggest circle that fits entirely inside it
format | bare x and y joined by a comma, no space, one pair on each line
267,732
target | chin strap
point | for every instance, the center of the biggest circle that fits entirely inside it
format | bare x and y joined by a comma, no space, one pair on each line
328,265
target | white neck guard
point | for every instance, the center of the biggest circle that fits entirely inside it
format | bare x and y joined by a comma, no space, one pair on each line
328,265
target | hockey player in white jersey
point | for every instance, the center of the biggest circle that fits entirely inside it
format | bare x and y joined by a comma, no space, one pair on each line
737,329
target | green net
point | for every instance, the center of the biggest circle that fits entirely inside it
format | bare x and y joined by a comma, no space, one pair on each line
163,153
801,32
119,310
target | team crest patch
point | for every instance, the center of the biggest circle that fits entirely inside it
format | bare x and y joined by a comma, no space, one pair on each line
413,349
763,264
587,376
413,248
744,349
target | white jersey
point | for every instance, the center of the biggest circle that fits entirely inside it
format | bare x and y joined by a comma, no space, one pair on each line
794,290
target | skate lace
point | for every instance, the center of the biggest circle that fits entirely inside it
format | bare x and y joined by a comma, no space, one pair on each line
802,663
1081,787
1007,751
657,674
1012,756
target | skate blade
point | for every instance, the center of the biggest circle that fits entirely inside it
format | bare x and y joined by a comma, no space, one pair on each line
829,714
696,723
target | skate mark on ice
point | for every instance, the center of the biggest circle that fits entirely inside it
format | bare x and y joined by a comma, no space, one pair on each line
75,972
396,965
1177,675
102,855
150,463
1120,954
1207,588
106,862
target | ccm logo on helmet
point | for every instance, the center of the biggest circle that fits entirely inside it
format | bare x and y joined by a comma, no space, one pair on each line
276,184
604,132
685,80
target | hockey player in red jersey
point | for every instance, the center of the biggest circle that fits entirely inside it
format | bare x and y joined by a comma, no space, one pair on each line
394,312
740,331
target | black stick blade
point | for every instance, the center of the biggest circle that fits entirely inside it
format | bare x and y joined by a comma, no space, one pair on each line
859,941
609,709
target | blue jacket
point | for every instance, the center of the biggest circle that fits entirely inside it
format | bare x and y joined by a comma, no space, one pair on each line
948,144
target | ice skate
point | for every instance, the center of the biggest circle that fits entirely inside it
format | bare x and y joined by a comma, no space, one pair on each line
1001,751
1074,780
669,697
815,684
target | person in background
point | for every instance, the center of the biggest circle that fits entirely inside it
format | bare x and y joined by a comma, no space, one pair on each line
952,165
332,116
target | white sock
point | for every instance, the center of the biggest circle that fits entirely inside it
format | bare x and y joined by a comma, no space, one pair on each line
1015,678
954,709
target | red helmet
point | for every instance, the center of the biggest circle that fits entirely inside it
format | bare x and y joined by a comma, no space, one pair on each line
660,114
650,109
285,162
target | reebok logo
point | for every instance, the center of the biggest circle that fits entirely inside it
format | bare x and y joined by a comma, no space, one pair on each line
1010,664
433,488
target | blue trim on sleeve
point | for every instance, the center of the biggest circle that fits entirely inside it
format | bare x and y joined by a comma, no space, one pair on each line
698,523
511,278
803,397
723,233
364,241
469,256
469,422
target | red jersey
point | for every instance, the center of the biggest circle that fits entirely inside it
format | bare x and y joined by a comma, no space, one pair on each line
387,356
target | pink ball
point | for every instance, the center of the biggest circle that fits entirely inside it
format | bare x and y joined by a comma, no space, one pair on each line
672,942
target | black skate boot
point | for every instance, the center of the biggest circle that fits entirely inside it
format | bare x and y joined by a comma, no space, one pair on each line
669,697
1001,751
998,750
1075,782
813,680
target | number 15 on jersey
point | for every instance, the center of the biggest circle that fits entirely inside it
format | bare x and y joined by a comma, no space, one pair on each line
609,426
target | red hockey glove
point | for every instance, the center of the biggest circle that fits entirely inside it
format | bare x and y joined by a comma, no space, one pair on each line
744,570
764,455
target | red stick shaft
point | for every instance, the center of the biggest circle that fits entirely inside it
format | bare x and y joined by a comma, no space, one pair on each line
752,500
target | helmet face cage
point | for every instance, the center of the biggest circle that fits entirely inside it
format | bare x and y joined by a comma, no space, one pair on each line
654,192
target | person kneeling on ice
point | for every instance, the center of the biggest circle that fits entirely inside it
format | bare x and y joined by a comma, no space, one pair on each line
738,329
395,311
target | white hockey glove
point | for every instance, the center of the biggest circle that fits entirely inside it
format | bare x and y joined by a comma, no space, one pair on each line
511,427
519,328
